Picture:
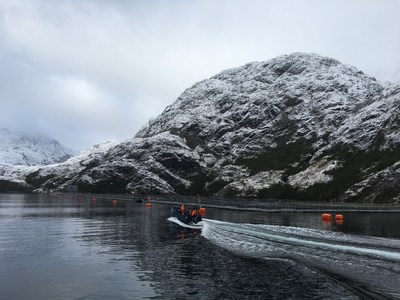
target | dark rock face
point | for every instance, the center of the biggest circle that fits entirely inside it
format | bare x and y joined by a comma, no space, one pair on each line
298,126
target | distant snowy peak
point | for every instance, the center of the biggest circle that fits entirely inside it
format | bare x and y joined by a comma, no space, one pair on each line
30,150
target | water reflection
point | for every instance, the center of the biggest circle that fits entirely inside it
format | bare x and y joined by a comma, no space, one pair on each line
65,247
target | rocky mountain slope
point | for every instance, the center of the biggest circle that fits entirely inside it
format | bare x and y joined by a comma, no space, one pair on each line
30,150
15,177
298,126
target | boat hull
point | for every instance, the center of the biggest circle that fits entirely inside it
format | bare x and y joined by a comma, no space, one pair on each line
185,220
175,220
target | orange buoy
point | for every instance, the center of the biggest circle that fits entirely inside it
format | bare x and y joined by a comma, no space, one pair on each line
339,218
202,211
326,217
114,202
148,204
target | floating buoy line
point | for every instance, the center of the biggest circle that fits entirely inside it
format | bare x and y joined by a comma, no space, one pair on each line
327,218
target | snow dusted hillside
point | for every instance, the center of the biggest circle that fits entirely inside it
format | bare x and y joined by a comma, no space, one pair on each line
298,126
16,177
29,150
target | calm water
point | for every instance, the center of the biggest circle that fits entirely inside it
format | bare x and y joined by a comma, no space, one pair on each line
68,248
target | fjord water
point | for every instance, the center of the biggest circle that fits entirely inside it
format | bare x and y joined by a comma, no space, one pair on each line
64,247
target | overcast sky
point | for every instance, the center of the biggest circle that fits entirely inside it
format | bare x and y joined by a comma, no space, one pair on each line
86,71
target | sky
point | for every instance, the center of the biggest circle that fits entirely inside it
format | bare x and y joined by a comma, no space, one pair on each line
89,71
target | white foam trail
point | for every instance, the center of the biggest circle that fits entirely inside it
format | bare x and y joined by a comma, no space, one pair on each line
303,237
303,240
363,259
175,220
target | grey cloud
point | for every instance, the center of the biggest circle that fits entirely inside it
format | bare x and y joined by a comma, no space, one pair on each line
88,71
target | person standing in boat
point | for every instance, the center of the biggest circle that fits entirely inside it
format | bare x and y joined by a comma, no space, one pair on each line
194,213
183,209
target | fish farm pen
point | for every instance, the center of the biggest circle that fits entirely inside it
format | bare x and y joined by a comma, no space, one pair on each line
245,204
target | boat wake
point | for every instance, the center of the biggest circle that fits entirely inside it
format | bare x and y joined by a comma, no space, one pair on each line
367,265
175,220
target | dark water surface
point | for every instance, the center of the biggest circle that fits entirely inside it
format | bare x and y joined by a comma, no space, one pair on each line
67,248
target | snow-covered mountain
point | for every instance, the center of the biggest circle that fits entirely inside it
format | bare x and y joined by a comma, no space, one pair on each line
14,178
298,126
30,150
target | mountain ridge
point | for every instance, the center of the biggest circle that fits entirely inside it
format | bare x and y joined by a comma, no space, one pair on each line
299,126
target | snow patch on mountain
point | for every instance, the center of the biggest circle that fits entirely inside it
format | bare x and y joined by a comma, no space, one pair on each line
16,174
316,173
255,183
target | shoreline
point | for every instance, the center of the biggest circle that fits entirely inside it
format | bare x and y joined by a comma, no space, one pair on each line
256,205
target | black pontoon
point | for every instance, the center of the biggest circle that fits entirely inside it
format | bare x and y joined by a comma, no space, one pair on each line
186,217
